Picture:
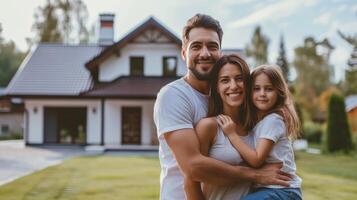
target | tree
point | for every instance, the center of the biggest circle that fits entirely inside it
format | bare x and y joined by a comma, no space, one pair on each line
258,49
62,21
10,60
313,75
47,23
351,71
282,61
338,130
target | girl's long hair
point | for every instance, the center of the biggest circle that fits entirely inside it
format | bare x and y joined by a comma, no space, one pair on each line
284,105
215,101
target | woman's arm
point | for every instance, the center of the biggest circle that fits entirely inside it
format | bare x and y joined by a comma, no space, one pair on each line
206,130
254,157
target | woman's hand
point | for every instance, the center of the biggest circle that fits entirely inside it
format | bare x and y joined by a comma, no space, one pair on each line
227,125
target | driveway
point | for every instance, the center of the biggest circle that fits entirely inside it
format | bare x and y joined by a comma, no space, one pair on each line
17,160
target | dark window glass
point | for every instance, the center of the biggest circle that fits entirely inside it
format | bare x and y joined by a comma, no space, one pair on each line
169,65
136,66
5,129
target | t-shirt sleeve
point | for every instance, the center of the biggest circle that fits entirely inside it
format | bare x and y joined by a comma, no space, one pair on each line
172,111
273,128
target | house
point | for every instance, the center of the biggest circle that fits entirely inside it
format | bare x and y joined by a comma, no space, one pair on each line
99,94
351,109
11,115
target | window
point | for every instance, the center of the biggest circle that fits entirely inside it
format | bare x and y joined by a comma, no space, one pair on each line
136,66
169,66
5,129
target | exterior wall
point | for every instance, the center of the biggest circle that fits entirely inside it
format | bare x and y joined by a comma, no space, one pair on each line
153,54
352,118
15,122
112,120
35,110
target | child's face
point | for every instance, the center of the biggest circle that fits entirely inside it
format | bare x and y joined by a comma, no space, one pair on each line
230,86
264,94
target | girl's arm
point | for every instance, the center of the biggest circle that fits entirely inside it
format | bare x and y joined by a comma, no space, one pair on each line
206,130
254,157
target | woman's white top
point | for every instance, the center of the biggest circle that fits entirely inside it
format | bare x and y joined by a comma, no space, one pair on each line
223,150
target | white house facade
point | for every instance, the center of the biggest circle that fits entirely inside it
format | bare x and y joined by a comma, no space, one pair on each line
98,94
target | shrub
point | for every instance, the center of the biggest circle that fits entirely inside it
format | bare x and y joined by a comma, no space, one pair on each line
338,130
312,132
14,136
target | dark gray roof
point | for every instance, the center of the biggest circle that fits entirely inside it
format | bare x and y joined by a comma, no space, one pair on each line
130,87
54,69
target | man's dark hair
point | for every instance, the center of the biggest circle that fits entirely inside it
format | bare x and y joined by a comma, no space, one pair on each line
201,21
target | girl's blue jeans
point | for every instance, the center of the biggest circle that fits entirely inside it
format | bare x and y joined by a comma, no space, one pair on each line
275,194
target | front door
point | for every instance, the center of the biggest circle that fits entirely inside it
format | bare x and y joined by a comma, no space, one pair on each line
131,125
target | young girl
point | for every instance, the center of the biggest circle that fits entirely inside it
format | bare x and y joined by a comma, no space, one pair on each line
277,123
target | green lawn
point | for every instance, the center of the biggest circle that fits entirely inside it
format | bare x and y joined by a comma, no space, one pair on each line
112,177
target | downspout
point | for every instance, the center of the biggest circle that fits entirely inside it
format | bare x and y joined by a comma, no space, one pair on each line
102,122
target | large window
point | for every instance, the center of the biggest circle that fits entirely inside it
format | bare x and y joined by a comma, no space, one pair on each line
169,66
136,66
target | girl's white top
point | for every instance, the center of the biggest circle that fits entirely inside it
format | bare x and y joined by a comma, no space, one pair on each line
272,127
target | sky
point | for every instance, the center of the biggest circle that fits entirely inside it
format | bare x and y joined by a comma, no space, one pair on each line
294,19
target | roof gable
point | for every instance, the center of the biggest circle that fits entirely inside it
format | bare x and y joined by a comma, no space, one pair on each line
151,31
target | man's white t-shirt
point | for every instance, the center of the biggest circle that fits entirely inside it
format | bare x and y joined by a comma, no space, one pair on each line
178,106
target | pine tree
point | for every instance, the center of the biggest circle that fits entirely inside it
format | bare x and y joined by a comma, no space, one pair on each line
258,49
351,71
338,130
282,61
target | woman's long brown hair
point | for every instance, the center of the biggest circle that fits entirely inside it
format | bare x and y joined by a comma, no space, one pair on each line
215,102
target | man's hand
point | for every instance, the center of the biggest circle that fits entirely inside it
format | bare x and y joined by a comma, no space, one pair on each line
270,174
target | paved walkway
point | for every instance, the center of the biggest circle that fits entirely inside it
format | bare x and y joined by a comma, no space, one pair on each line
17,160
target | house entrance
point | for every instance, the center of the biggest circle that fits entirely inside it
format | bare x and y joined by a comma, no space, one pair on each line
131,125
65,125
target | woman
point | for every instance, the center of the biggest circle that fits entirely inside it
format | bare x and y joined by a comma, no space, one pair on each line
230,77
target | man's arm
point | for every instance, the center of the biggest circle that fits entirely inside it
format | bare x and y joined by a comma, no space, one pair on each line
185,147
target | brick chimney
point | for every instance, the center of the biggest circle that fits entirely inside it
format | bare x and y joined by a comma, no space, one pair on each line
106,29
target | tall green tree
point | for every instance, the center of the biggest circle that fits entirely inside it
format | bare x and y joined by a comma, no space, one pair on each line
47,23
350,85
313,75
338,130
10,60
258,48
282,61
62,21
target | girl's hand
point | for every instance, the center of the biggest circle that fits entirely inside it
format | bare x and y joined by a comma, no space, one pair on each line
227,125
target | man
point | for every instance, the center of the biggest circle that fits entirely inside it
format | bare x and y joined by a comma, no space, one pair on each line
181,104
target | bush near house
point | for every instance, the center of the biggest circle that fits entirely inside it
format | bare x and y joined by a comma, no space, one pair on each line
312,132
12,136
338,131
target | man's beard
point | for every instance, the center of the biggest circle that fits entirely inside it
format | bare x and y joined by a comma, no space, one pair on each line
199,75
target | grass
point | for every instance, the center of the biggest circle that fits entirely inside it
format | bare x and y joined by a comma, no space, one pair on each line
328,177
103,177
325,177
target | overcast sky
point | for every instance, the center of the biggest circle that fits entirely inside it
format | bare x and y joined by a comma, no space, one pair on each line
295,19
